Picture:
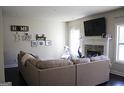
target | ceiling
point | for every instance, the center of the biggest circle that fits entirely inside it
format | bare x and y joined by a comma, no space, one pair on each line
59,13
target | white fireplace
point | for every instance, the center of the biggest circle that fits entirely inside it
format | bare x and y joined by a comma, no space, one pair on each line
98,41
93,50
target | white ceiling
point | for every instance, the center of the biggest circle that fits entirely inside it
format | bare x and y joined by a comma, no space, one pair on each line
59,13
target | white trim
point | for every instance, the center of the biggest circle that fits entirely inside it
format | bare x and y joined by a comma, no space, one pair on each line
117,73
117,25
6,84
11,65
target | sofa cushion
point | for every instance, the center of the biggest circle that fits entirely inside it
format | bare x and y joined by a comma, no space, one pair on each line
81,60
53,63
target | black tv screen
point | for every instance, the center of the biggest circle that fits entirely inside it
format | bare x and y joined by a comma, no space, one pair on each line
95,27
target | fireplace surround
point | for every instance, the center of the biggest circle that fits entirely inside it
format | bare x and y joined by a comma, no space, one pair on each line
94,50
95,46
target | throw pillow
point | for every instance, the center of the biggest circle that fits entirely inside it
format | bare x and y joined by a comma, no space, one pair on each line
26,57
97,58
22,53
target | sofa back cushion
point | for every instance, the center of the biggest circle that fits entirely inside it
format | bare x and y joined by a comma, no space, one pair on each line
53,63
81,60
97,58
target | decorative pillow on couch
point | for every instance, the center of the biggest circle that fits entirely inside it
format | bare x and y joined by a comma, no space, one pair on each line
22,53
26,57
53,63
81,60
32,61
97,58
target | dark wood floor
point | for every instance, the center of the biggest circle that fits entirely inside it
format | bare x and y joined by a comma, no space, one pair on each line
13,75
115,80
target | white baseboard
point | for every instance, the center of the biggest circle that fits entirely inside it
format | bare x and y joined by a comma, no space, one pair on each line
117,73
6,84
11,65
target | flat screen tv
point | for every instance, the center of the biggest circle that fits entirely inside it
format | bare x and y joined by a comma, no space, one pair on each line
95,27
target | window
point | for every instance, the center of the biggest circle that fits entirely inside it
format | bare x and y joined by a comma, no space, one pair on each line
120,43
74,41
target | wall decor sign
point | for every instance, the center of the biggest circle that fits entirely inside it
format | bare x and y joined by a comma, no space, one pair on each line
19,28
41,42
40,37
34,43
26,37
17,36
48,43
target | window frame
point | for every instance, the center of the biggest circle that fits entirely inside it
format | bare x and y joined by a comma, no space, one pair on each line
117,43
70,42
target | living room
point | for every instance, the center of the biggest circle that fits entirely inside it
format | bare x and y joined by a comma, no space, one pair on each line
57,30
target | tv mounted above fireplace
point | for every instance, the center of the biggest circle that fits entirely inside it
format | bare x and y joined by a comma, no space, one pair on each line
95,27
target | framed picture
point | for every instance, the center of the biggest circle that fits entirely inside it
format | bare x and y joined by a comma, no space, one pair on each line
33,43
41,42
48,43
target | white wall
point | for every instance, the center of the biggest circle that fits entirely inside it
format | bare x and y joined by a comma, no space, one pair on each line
112,18
2,78
54,31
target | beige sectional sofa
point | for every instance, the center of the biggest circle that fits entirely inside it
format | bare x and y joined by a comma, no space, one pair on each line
92,73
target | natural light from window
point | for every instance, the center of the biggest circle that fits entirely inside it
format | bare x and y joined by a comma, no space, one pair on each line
120,43
74,42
